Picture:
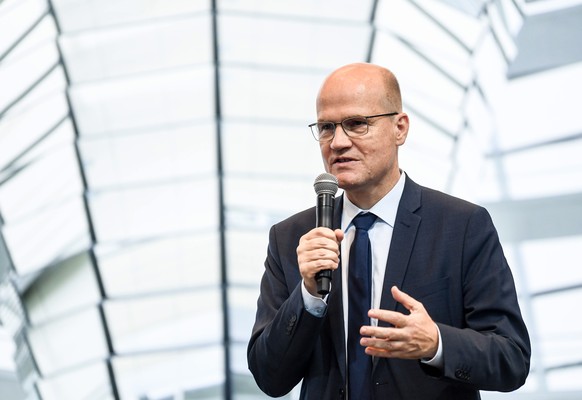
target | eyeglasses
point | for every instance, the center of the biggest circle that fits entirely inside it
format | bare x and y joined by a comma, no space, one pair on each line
324,131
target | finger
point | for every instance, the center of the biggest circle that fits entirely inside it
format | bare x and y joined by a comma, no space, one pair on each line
322,231
392,348
384,347
319,259
388,352
407,301
372,335
378,343
318,246
392,317
384,344
376,352
312,260
327,239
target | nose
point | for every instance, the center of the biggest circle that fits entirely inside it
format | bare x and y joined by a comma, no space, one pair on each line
340,139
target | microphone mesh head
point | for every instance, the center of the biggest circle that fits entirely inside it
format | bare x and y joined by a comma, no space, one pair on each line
325,183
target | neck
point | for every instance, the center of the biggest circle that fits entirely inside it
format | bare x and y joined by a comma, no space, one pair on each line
366,199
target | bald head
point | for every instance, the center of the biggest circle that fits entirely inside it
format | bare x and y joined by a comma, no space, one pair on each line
365,162
365,83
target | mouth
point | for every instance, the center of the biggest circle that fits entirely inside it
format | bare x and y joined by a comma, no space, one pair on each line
342,160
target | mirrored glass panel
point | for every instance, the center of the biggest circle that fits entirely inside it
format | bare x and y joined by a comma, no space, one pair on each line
68,342
164,321
167,374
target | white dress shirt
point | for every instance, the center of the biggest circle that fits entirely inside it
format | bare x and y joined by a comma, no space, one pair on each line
380,238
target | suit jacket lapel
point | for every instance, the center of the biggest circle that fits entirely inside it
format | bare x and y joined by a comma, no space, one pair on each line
403,237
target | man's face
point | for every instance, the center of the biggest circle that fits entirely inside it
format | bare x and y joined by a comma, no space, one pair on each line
366,166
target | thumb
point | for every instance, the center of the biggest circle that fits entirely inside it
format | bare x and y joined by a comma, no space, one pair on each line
407,301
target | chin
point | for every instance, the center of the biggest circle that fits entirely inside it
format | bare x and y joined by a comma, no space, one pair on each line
346,182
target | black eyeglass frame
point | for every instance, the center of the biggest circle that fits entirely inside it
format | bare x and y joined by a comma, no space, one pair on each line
315,131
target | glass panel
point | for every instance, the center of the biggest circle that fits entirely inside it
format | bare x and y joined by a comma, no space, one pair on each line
88,382
254,94
137,213
164,375
166,321
561,170
107,53
267,41
54,177
11,310
66,226
27,62
16,17
68,342
139,102
433,148
464,27
444,47
563,380
343,10
552,264
267,201
34,117
26,367
560,332
85,14
293,150
524,119
179,152
435,95
247,250
160,265
5,263
64,288
243,306
61,136
505,39
474,177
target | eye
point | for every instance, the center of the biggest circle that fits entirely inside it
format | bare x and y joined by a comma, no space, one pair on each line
325,128
357,125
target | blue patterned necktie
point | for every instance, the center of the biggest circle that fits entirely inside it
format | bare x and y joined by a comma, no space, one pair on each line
359,302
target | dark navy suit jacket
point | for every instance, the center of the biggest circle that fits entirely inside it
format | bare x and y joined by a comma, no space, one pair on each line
445,253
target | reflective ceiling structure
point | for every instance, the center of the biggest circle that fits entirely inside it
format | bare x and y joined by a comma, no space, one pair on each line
147,146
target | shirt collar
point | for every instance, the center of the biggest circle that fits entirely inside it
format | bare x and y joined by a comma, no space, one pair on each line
385,209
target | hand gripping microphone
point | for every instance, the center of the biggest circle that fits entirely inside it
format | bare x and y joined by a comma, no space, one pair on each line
325,186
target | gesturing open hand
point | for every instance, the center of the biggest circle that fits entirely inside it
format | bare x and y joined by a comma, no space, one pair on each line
412,336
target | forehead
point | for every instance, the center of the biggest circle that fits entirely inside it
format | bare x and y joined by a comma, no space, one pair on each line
347,97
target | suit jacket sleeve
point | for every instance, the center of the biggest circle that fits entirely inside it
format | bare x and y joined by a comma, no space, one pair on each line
284,334
490,348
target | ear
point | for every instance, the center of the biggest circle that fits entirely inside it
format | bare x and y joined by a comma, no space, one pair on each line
401,128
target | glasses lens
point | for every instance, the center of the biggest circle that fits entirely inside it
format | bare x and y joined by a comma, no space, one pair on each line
357,125
325,130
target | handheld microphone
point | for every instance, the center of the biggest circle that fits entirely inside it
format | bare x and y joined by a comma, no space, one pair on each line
325,186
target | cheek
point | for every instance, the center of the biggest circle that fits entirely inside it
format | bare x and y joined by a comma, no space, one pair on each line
380,159
325,153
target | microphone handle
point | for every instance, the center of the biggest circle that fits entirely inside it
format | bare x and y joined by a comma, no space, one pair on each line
324,217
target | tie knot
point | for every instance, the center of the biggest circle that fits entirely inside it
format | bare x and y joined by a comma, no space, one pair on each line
364,220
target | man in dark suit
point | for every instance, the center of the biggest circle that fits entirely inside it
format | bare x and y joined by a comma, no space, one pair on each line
444,321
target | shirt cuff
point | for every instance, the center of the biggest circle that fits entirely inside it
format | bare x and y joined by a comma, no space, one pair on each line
437,360
315,306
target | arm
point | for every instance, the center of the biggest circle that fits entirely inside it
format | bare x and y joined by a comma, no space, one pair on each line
489,347
285,334
493,350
